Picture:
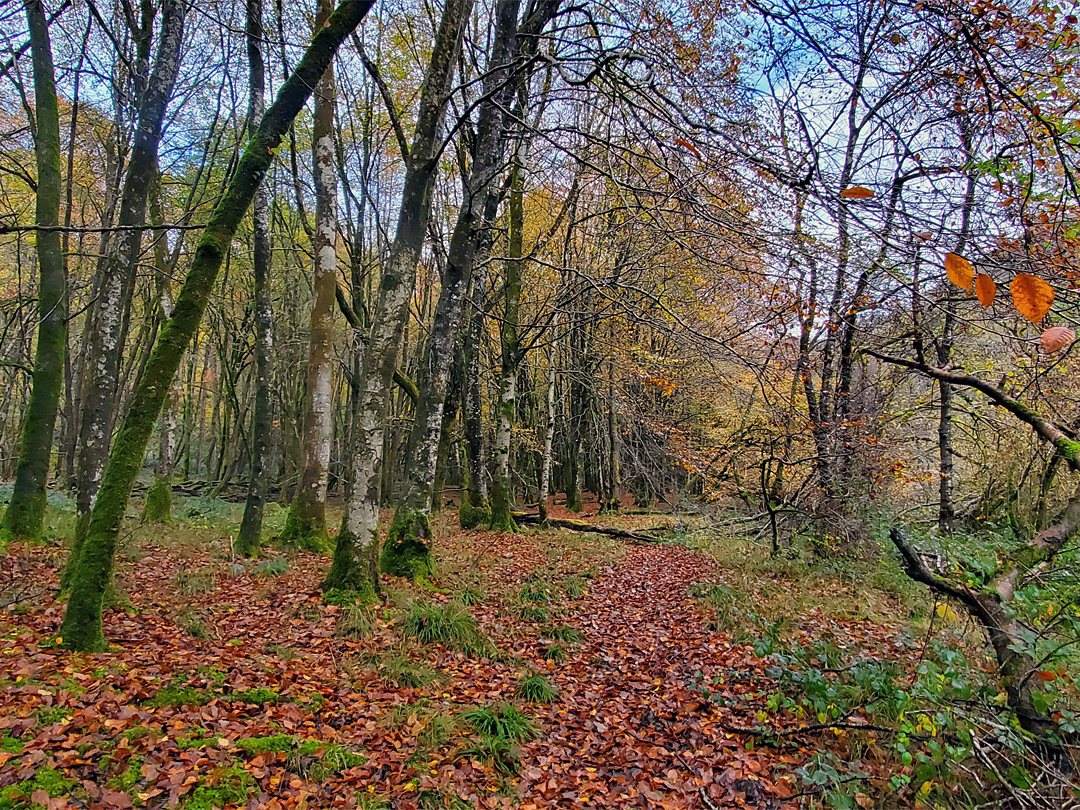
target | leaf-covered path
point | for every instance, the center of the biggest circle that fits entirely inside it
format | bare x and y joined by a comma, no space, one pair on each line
633,727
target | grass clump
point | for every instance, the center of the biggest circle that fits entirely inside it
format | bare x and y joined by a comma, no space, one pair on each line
333,759
449,624
536,589
503,721
554,652
274,744
355,621
274,567
224,786
534,613
565,633
191,583
372,801
472,595
536,689
574,586
178,696
404,674
441,800
499,729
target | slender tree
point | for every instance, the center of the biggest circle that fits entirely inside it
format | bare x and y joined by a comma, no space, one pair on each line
26,511
305,526
82,628
250,534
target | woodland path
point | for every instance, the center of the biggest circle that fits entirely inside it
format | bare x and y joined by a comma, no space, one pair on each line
632,727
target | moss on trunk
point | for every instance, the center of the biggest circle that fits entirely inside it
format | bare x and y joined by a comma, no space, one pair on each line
304,532
355,570
474,510
502,518
26,511
407,552
158,505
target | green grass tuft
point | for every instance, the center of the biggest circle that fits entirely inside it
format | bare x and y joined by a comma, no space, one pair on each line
537,689
449,624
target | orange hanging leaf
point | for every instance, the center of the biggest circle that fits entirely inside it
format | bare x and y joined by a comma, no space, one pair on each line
985,289
686,144
1056,338
1045,675
959,270
857,193
1032,296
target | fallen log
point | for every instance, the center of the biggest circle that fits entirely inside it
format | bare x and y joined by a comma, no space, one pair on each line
645,536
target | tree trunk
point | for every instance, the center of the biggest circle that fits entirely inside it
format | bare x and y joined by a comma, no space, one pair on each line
116,276
474,509
354,568
305,526
26,511
547,441
250,534
82,628
502,488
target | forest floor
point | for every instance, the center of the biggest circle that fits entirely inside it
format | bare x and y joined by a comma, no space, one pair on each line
232,683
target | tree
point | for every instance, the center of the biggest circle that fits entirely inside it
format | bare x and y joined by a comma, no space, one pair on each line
306,523
82,628
26,510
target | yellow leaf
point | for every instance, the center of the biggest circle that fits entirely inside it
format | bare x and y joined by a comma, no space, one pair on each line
959,270
945,611
1032,296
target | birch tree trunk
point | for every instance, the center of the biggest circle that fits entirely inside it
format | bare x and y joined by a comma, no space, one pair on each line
354,569
82,628
502,489
305,526
250,534
26,511
116,276
474,509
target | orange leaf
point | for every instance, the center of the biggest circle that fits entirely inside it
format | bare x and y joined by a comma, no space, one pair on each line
856,193
1056,338
1032,296
985,289
1045,674
685,143
959,270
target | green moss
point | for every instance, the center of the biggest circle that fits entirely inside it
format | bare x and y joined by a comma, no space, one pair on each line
48,779
406,552
260,696
502,519
56,714
129,778
186,743
223,787
157,507
350,598
303,533
179,696
137,733
11,745
471,515
276,743
1069,450
355,567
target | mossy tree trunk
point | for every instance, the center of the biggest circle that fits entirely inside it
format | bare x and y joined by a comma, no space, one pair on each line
474,509
82,629
407,544
26,511
355,564
116,274
407,550
305,526
250,534
502,490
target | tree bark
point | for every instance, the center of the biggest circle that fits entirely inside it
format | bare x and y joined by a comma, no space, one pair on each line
82,628
116,276
305,526
250,534
474,509
354,567
26,511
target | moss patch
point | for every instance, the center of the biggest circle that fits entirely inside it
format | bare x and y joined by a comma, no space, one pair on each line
406,552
